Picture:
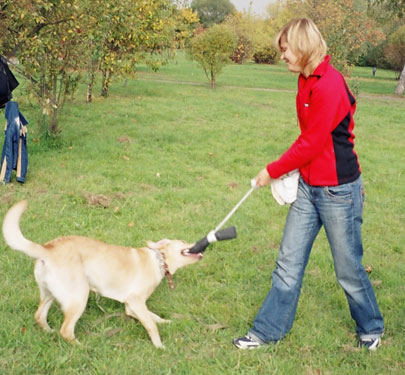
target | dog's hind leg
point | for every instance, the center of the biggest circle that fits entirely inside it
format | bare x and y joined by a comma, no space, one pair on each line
41,272
73,300
41,314
136,308
72,313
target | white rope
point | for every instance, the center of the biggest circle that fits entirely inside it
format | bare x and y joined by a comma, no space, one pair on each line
236,207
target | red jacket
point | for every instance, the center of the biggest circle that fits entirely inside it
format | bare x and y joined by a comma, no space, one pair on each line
324,151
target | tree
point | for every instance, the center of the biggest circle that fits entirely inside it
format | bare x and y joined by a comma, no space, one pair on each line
245,28
344,24
54,41
46,38
282,11
396,8
211,49
396,55
186,21
395,50
254,39
133,31
346,28
212,12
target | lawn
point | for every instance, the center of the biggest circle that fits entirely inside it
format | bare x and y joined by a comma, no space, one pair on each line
170,157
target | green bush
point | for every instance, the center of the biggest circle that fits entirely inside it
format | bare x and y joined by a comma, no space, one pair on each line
212,48
266,55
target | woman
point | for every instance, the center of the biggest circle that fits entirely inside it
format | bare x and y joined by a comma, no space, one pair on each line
330,193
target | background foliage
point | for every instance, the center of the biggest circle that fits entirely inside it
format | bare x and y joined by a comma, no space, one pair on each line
54,45
212,12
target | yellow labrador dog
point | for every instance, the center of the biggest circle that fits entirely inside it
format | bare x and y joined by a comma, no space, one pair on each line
68,268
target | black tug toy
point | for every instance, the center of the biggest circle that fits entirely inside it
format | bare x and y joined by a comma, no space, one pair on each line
223,234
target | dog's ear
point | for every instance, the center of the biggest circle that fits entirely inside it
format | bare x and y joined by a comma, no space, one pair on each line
158,245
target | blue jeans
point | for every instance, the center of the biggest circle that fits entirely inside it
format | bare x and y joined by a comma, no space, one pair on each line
339,210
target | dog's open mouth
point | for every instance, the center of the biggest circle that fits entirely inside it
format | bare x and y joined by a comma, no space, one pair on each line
187,253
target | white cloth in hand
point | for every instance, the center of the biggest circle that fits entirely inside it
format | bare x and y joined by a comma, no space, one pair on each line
285,188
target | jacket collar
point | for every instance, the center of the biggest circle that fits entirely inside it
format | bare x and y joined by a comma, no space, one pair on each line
322,67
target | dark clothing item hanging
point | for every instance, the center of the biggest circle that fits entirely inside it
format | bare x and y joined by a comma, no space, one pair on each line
7,82
14,155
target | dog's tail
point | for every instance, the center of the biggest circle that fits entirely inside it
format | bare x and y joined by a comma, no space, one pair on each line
13,236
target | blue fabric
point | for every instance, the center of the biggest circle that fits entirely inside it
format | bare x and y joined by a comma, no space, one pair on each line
14,155
339,210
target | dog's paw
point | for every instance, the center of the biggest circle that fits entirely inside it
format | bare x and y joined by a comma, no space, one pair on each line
157,343
76,342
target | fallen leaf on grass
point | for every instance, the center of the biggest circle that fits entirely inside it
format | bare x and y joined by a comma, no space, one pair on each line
311,371
369,269
215,326
125,157
233,185
123,139
147,187
97,200
256,249
377,283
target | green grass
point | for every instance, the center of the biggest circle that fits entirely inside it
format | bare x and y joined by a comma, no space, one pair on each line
173,159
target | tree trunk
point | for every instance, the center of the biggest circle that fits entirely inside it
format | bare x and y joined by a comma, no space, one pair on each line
54,106
212,79
90,88
401,83
53,124
92,77
104,84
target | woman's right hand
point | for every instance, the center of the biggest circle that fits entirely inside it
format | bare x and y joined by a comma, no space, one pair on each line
263,178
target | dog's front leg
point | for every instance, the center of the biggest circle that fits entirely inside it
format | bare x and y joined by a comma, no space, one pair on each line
136,308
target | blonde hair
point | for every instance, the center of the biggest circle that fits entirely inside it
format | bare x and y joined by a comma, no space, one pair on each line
305,41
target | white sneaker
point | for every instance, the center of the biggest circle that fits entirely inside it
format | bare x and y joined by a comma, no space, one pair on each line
247,342
370,344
